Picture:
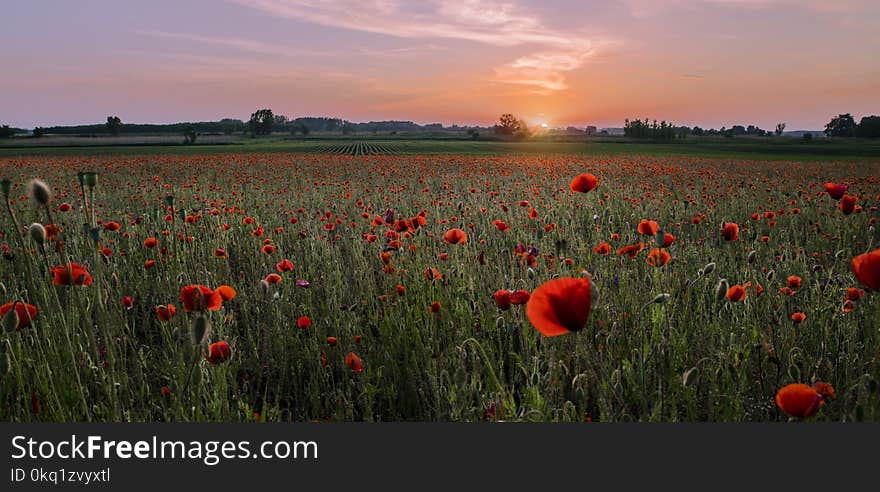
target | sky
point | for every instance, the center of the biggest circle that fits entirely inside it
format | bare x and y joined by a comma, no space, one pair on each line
565,62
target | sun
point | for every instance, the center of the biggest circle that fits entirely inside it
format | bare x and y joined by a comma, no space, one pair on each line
545,125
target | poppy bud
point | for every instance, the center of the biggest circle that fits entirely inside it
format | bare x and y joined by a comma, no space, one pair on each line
709,268
661,299
38,233
594,292
40,192
169,200
10,321
771,274
753,255
721,289
90,178
5,186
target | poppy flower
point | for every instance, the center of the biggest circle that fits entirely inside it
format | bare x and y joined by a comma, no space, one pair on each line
798,317
583,183
284,265
502,299
560,306
401,290
794,282
25,312
455,236
111,226
602,249
273,278
847,204
730,232
127,302
799,400
434,307
632,250
736,293
867,269
836,191
71,274
218,352
150,243
64,207
658,257
304,322
268,249
354,362
648,227
165,313
226,292
199,298
519,297
332,341
853,294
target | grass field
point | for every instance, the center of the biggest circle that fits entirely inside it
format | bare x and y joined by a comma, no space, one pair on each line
382,313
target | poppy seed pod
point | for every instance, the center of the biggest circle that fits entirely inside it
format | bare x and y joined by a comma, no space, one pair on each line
721,289
37,232
169,200
90,178
40,192
5,186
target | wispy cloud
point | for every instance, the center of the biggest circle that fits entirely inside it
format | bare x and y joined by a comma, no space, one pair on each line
234,43
489,22
646,8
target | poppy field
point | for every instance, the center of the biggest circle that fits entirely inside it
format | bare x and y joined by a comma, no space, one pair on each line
540,287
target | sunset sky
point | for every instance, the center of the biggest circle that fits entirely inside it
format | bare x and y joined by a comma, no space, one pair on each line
566,62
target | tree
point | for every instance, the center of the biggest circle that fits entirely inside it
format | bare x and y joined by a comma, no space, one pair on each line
6,131
869,127
843,125
780,127
189,135
39,132
508,124
261,122
808,137
473,133
523,132
114,125
347,128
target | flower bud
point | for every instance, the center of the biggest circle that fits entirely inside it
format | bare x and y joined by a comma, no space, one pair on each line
37,232
753,255
40,192
721,289
709,268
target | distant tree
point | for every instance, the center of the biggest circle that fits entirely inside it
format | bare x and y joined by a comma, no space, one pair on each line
780,128
523,132
869,127
304,129
39,132
508,124
6,131
261,122
473,133
808,137
114,125
189,135
280,120
347,128
843,125
697,131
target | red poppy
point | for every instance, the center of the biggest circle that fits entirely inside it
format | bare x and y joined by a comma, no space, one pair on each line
519,297
199,298
648,227
730,232
434,307
151,243
71,274
64,207
794,282
25,312
602,249
455,236
401,290
165,313
798,317
736,293
847,204
502,299
220,253
111,226
560,306
632,250
284,265
303,322
218,352
268,249
836,191
332,341
584,183
867,269
226,292
127,302
273,278
354,362
799,400
658,257
668,239
853,294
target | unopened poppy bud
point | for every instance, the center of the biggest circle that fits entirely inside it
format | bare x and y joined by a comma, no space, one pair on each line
37,232
10,320
753,255
5,186
40,192
90,178
594,292
200,330
661,298
771,274
721,289
709,268
169,200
